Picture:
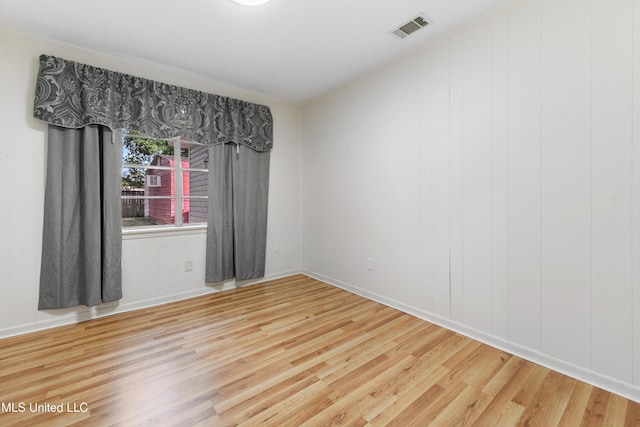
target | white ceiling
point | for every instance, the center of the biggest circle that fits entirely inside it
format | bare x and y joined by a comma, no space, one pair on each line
289,49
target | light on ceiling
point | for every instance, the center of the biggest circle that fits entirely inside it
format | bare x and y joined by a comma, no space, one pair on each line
251,2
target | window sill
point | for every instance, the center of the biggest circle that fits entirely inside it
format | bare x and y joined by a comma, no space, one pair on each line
149,233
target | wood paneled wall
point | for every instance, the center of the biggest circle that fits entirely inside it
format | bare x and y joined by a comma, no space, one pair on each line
519,136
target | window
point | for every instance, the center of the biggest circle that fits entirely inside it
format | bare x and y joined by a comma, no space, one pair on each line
154,181
164,182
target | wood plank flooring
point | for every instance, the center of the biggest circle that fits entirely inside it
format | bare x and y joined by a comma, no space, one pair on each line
290,352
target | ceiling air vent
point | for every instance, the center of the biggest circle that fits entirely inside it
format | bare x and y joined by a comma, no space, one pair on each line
410,27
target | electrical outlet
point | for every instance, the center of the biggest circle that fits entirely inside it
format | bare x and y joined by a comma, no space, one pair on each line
188,266
370,264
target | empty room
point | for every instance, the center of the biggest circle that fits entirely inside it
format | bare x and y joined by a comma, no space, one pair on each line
338,212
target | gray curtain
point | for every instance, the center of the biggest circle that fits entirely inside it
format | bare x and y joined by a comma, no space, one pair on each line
237,224
82,236
81,253
73,95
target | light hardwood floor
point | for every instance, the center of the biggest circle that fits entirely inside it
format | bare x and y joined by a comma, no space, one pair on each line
290,352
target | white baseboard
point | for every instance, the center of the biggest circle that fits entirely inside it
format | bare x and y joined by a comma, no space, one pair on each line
109,309
613,385
588,376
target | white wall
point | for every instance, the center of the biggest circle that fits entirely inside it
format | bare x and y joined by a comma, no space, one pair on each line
153,265
494,179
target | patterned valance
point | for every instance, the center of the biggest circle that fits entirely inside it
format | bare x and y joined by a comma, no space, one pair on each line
73,95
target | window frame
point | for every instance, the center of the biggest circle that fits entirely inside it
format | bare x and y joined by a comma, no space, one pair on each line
157,181
178,197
